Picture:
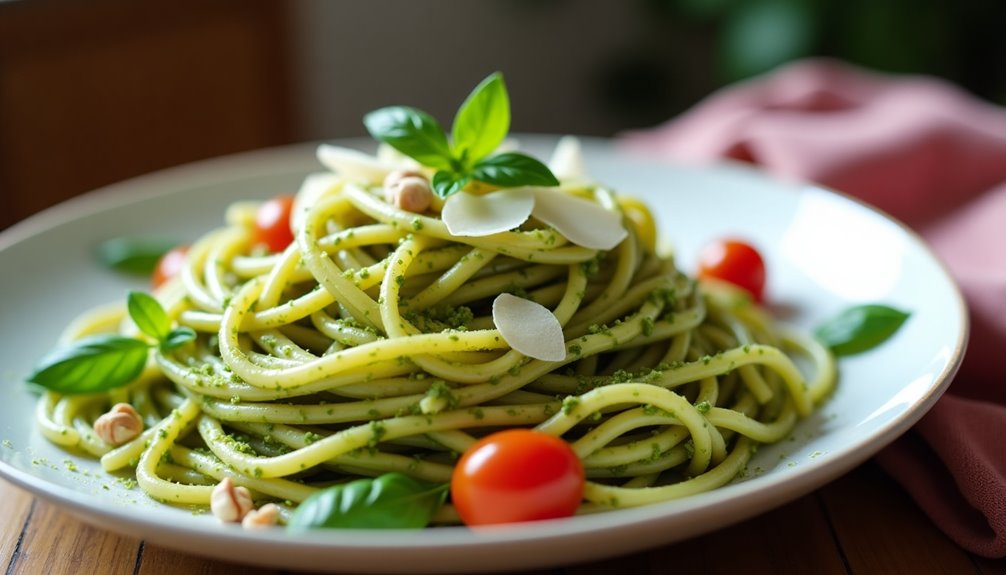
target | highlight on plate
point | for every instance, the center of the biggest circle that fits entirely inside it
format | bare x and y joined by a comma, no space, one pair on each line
447,331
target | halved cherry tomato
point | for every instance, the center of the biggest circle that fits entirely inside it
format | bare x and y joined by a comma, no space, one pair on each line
169,265
517,475
736,262
272,223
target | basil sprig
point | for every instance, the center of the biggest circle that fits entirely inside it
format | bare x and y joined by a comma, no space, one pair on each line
480,125
103,362
860,328
134,255
391,501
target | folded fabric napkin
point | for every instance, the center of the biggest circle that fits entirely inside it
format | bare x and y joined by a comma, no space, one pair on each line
934,157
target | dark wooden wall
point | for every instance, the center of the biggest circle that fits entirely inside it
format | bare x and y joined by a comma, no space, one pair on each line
95,92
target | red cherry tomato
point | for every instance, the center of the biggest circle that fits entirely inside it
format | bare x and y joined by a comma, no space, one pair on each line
517,475
170,265
736,262
272,223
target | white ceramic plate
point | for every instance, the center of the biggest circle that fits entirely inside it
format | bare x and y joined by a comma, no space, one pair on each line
824,252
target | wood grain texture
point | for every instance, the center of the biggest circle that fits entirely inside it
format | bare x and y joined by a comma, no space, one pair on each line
782,541
157,560
56,542
882,531
15,508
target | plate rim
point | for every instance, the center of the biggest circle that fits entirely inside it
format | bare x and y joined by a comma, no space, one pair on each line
171,180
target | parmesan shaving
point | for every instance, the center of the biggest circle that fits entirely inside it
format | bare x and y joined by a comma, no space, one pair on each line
567,160
581,221
354,164
470,215
529,328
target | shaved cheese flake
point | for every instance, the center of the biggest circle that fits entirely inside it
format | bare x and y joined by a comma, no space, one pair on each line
354,164
581,221
529,328
314,187
567,160
392,157
470,215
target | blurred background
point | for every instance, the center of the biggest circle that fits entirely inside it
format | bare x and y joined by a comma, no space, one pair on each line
96,92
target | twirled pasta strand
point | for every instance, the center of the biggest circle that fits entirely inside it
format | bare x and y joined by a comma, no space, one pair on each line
367,346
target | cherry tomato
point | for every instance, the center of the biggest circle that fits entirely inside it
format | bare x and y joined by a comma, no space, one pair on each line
272,223
736,262
517,475
169,265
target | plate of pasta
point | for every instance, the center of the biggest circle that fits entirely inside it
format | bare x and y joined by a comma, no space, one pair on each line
339,372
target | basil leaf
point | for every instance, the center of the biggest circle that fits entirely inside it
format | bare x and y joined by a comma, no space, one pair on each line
97,363
148,315
447,183
512,169
177,338
391,501
483,120
134,255
860,328
412,132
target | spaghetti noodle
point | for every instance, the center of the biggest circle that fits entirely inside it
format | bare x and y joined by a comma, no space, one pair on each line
368,346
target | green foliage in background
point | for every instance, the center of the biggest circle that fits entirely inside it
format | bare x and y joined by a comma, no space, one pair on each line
959,40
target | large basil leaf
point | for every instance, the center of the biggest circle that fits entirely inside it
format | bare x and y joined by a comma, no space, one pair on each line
391,501
93,364
134,255
412,132
512,169
482,120
860,328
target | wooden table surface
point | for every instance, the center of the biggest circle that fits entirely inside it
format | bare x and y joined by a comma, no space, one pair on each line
860,524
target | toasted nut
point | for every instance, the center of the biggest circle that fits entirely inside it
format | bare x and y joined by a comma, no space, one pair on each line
121,424
413,195
408,190
230,502
265,516
392,179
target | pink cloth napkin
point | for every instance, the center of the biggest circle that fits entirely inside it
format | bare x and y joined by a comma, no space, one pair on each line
934,157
